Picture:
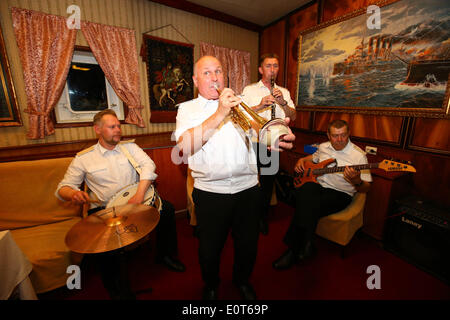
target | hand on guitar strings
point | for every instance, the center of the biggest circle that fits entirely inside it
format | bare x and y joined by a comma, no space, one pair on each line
352,175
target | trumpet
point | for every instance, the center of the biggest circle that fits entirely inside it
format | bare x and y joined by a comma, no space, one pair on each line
269,131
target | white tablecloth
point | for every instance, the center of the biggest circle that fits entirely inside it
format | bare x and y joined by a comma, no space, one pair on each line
14,269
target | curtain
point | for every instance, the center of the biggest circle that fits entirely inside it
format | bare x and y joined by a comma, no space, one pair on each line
45,48
235,63
116,53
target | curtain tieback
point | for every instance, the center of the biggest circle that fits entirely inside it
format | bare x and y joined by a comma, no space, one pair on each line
136,107
36,113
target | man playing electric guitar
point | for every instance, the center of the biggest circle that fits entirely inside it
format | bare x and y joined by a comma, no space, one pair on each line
332,192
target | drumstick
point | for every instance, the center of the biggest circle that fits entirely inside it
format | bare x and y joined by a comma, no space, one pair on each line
93,201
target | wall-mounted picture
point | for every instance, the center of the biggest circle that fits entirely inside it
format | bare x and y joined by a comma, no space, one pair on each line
169,76
399,67
9,113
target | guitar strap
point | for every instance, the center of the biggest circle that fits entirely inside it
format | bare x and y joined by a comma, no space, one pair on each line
131,159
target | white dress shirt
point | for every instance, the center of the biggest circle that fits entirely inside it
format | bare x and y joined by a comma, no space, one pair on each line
254,92
224,164
107,171
350,155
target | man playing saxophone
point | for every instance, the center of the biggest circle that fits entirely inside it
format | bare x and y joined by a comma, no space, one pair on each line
270,101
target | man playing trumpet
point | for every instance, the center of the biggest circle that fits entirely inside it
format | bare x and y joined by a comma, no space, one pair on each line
270,101
226,192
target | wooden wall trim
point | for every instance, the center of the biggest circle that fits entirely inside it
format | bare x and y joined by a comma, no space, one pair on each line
209,13
70,149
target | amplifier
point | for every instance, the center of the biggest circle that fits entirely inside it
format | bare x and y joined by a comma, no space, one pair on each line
284,187
418,231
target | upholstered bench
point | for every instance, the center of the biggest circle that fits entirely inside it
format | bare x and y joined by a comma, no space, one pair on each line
38,221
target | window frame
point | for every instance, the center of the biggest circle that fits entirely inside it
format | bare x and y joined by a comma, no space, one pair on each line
85,122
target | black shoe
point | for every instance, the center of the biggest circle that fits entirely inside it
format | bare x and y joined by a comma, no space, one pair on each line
209,293
247,292
263,227
307,252
172,263
287,260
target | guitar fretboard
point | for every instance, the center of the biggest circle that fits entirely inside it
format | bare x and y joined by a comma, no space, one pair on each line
321,171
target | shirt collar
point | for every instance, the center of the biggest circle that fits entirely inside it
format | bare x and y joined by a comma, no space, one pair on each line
346,149
103,150
203,101
262,85
202,98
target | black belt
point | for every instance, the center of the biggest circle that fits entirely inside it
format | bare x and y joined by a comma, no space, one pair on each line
94,210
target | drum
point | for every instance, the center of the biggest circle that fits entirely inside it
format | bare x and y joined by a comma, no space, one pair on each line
151,197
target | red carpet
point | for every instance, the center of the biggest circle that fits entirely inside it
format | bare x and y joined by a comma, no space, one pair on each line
327,277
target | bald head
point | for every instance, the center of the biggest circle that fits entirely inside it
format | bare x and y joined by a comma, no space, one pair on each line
205,59
207,73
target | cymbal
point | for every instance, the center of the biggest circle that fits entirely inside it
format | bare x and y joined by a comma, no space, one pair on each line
112,228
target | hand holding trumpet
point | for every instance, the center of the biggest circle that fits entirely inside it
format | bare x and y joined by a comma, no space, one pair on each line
227,101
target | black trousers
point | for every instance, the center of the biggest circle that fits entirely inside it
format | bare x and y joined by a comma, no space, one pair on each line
312,203
217,214
113,266
266,180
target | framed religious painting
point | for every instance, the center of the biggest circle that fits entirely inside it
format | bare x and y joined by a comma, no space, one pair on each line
9,112
169,76
391,58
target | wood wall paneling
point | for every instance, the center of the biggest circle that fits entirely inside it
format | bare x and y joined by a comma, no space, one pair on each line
432,179
381,128
431,134
171,181
336,8
303,120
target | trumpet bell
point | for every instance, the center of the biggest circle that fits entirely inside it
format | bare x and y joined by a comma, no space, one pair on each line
272,131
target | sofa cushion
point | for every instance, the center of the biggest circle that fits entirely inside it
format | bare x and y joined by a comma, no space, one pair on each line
27,193
44,246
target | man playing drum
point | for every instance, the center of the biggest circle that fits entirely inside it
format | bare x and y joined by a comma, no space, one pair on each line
106,169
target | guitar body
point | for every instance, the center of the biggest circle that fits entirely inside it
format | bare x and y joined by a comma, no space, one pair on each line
307,175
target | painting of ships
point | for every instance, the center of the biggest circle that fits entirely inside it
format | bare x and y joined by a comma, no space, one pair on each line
423,71
427,72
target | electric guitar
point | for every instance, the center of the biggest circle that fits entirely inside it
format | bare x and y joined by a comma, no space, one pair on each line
312,170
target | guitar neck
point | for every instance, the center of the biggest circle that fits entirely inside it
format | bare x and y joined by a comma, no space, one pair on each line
319,172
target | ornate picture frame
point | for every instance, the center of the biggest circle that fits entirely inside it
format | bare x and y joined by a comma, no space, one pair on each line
169,76
400,68
9,112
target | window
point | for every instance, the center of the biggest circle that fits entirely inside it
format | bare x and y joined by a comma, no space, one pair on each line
87,91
